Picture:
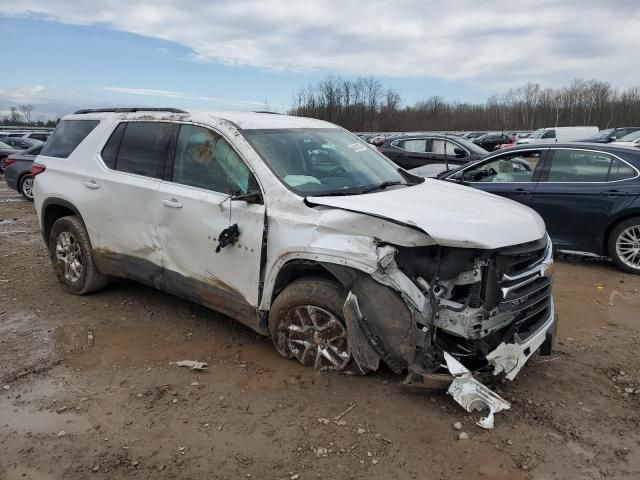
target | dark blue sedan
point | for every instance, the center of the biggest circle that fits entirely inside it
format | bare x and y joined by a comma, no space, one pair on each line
587,194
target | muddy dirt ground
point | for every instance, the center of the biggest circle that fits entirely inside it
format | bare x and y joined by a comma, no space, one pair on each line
115,408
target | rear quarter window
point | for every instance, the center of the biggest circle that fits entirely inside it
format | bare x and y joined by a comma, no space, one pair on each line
143,148
67,136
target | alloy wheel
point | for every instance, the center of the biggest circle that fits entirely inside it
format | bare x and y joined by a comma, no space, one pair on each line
314,336
27,187
628,246
68,252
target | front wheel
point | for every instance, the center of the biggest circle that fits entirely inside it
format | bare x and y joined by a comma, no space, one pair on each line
26,187
624,245
306,323
72,257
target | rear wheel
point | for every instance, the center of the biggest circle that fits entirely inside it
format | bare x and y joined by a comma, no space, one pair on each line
306,323
72,257
26,187
3,165
624,245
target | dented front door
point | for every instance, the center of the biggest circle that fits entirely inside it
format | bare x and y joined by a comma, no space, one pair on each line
211,243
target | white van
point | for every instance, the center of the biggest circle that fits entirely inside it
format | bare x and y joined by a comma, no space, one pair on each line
559,134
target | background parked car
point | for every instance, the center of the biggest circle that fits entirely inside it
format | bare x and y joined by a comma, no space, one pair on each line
473,135
588,196
17,171
415,151
5,151
559,134
631,140
491,140
18,143
40,136
610,135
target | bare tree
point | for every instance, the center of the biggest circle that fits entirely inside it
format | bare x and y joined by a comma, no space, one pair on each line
14,115
26,110
364,104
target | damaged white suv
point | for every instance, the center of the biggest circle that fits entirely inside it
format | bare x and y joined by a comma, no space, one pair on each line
301,231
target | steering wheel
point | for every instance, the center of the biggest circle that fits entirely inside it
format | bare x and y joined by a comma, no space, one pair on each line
522,164
337,171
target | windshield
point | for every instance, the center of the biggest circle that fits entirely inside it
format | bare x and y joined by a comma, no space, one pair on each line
35,150
602,134
472,147
538,133
322,161
4,145
632,137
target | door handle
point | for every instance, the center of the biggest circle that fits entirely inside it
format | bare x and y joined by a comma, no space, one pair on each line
92,184
613,193
519,191
173,203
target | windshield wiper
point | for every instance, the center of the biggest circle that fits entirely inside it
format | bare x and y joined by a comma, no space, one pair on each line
384,185
335,193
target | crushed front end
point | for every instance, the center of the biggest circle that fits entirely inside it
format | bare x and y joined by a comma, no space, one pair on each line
441,312
490,310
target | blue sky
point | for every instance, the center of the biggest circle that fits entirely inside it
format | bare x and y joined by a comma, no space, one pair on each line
241,55
78,64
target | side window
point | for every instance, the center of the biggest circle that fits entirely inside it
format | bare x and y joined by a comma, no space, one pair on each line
620,171
579,166
417,145
549,134
514,167
67,136
110,150
438,146
205,160
144,148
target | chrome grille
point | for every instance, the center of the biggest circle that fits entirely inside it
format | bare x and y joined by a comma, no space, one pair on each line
523,285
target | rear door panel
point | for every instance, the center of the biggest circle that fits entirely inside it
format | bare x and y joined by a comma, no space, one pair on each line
577,213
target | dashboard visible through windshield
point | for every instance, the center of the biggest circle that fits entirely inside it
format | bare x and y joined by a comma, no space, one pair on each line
323,161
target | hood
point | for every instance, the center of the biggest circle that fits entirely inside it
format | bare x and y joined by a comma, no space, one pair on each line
453,215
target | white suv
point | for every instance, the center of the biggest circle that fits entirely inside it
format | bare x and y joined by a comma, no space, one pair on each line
298,229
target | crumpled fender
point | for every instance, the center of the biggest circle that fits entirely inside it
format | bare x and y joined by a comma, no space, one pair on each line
380,324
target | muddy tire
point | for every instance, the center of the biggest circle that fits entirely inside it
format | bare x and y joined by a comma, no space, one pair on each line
624,245
26,186
306,323
72,257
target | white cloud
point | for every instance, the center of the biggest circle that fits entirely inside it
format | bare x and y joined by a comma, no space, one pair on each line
496,42
150,92
24,93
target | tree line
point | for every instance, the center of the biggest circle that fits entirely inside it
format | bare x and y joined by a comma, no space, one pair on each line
20,116
365,105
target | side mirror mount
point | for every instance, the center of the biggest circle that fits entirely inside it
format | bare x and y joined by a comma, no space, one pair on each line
460,152
459,177
611,139
252,196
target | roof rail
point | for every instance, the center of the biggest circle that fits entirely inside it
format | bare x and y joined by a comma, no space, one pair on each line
129,110
266,111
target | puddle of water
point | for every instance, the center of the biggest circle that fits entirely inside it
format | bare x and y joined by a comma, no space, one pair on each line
253,362
23,420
